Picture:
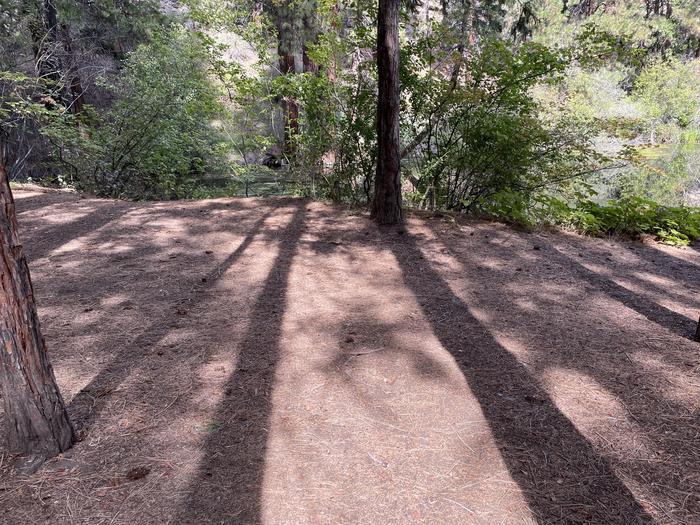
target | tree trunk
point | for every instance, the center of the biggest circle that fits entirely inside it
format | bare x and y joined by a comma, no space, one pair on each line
75,92
36,417
290,106
296,26
386,208
45,42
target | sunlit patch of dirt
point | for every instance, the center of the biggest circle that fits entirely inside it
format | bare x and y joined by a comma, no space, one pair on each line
286,361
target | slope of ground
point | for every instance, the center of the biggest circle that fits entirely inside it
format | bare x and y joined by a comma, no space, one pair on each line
286,362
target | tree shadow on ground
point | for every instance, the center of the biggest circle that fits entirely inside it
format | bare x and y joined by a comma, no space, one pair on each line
653,311
228,483
87,224
678,279
584,329
33,201
87,405
561,475
672,267
127,311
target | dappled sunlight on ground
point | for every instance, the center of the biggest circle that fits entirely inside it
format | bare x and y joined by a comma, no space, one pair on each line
373,420
284,361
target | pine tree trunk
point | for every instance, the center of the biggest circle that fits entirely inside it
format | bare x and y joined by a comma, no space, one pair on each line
290,106
386,208
35,415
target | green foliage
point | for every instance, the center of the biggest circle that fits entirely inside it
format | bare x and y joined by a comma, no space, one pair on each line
485,132
634,77
31,118
635,216
664,173
61,50
629,217
335,149
670,91
647,119
162,131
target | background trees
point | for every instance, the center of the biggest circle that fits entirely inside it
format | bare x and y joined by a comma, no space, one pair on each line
533,111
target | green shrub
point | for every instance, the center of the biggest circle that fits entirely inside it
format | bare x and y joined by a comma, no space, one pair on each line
634,216
628,217
670,91
160,135
487,137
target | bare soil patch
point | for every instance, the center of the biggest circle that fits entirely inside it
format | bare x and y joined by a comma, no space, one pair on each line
282,361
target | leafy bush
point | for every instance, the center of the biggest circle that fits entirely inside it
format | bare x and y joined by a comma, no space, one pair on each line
635,216
486,135
632,217
664,173
628,217
160,134
670,91
337,146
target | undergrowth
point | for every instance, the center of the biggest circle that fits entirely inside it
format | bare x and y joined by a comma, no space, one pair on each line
628,217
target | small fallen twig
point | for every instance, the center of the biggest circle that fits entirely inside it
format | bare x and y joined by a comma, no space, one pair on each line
459,505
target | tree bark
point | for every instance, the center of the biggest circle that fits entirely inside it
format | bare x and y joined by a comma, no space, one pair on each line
75,93
35,414
386,207
290,106
296,26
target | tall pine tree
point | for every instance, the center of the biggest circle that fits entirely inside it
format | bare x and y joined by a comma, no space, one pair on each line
386,207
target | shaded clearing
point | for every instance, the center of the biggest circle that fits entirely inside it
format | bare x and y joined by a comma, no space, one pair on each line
278,360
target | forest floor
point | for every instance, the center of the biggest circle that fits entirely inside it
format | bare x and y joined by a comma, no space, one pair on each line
282,361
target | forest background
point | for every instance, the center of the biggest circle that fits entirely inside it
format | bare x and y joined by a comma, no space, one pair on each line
584,115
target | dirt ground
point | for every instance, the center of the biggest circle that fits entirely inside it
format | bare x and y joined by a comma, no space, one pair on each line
282,361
